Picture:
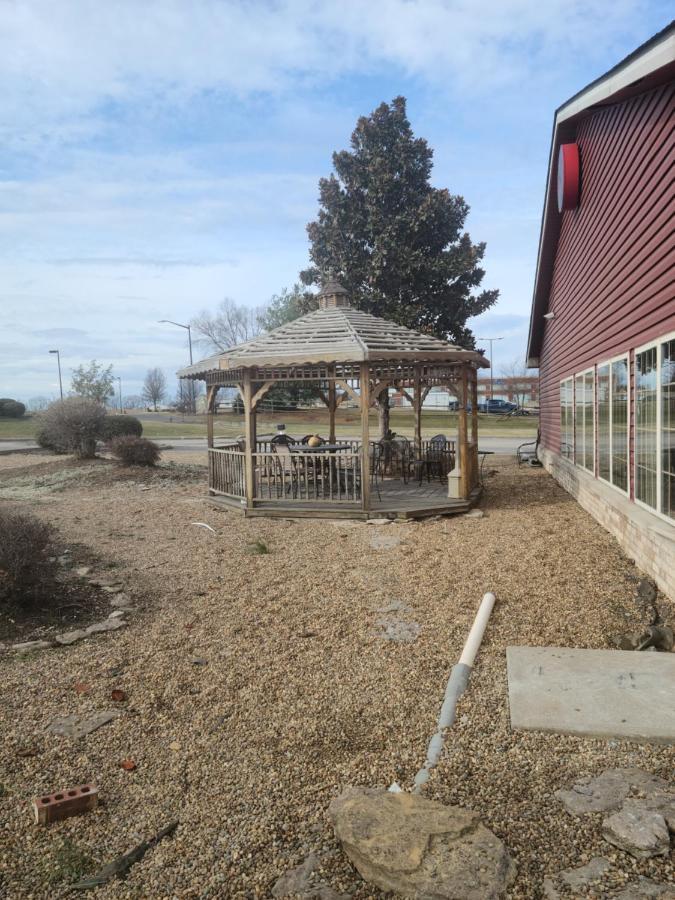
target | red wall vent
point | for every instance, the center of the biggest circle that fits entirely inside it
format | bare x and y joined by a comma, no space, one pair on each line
569,171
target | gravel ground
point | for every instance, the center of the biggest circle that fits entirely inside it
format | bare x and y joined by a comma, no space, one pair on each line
295,695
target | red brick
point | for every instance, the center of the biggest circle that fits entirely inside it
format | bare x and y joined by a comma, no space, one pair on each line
61,804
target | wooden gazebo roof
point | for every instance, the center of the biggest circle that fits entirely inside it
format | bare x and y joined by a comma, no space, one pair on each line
335,333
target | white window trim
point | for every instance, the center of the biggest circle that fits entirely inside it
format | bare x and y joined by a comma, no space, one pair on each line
608,362
663,339
583,374
564,381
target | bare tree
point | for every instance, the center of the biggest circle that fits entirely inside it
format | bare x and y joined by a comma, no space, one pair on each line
154,387
519,379
230,324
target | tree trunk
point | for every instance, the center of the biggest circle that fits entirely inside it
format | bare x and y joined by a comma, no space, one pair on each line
383,412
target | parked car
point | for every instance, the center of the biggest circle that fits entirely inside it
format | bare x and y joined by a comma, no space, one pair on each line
497,407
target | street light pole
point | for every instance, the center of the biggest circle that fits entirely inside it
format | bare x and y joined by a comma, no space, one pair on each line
187,328
491,340
58,360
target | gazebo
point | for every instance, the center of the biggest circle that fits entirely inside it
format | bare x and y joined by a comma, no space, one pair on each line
344,354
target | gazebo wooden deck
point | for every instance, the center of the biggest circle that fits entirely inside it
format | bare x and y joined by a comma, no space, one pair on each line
343,353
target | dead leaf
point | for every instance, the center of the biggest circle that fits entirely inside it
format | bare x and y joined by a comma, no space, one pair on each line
128,764
81,687
118,695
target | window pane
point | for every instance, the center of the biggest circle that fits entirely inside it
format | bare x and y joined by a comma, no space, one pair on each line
566,419
620,424
668,428
603,401
579,420
588,422
645,426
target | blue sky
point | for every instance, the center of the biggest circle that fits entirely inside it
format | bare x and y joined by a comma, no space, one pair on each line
160,156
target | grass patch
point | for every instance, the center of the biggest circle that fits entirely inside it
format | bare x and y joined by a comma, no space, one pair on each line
70,863
302,421
259,548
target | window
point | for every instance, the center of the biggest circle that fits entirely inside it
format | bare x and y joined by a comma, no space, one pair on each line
602,387
584,420
655,426
619,424
668,428
612,422
567,418
646,434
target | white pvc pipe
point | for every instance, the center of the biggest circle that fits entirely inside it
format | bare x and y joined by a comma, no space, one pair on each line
459,678
475,637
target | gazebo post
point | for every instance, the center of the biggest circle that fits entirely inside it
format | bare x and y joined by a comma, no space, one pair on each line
464,485
210,404
417,398
474,426
332,405
249,434
364,370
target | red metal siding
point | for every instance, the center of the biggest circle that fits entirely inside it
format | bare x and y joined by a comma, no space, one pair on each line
613,285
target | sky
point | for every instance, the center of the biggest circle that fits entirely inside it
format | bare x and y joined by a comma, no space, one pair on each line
158,157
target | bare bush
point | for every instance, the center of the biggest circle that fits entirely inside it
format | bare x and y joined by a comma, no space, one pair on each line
72,425
27,558
135,451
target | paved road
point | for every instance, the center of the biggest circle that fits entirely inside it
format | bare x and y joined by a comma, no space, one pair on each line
501,445
13,446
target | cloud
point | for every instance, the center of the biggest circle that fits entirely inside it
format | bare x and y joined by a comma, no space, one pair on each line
66,68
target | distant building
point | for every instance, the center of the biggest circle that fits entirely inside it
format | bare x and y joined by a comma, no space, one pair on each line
602,329
521,390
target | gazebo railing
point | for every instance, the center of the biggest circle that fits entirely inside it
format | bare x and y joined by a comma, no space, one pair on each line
226,472
308,477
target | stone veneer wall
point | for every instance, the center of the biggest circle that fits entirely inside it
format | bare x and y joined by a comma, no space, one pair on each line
644,537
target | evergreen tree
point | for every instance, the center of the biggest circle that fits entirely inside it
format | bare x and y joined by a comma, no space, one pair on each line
395,242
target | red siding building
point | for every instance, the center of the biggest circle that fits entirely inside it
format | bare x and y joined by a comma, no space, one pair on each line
602,329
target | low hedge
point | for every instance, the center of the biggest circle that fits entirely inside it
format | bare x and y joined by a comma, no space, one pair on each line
119,426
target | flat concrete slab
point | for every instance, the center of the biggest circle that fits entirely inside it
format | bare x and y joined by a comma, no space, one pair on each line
594,693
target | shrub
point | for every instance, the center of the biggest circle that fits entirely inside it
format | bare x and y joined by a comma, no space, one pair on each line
72,425
118,426
27,557
135,451
11,409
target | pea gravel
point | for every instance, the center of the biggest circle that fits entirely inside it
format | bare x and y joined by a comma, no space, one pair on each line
297,693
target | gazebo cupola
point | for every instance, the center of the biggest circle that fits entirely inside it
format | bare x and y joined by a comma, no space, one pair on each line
332,295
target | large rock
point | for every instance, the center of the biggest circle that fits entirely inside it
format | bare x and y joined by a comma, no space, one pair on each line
641,832
419,848
299,882
645,889
576,879
608,790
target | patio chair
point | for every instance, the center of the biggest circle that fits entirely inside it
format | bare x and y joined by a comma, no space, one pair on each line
527,452
438,457
348,471
286,465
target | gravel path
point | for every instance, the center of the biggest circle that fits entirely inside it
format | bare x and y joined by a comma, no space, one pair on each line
259,685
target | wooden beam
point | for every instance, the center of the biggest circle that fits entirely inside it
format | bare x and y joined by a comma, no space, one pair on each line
365,436
474,428
210,407
350,390
249,434
260,393
462,439
417,406
332,406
